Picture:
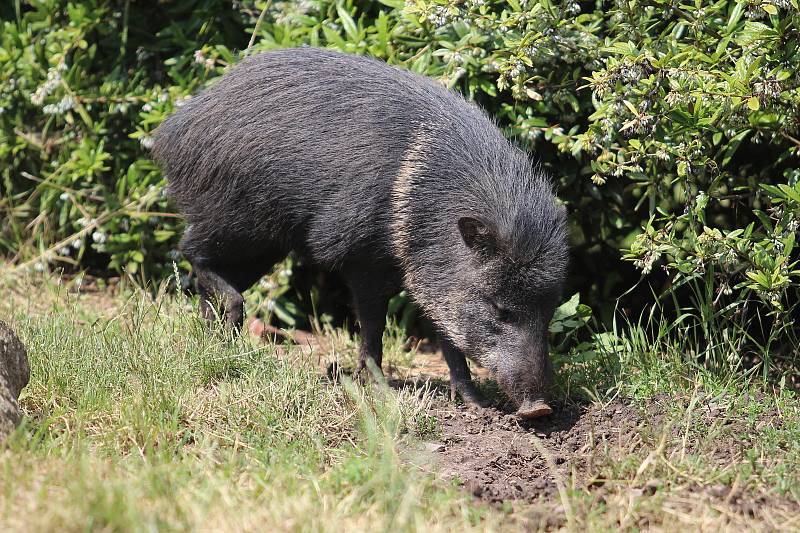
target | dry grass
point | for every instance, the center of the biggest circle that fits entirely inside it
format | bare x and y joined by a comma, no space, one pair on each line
138,418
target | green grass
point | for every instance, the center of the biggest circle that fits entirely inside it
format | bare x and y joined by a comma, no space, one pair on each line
141,419
138,418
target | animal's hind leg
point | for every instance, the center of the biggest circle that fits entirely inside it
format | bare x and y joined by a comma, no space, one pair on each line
223,274
219,299
371,292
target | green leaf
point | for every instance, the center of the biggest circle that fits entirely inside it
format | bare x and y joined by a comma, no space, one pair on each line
753,103
736,16
791,193
631,107
348,23
333,37
788,243
568,308
283,314
764,218
163,235
759,277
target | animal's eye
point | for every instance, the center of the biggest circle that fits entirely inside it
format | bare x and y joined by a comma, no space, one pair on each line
503,313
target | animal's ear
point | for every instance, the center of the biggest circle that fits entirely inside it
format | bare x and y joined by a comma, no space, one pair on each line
478,235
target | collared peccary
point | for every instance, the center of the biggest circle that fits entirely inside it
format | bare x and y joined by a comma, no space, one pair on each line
387,178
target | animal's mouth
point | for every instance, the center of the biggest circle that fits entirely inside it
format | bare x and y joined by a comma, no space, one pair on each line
531,409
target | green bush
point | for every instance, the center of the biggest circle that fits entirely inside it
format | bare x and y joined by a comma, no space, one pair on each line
679,118
77,80
672,130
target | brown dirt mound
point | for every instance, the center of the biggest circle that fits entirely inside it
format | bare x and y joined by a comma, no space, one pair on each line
502,460
497,458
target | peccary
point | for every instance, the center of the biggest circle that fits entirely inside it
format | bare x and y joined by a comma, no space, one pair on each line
389,179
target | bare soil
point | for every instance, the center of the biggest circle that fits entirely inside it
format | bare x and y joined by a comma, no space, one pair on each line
496,456
501,460
504,461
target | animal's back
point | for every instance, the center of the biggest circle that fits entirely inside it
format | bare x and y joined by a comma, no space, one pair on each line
299,146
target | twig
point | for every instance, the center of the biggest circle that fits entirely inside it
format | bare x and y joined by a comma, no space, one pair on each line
790,138
258,25
37,179
91,226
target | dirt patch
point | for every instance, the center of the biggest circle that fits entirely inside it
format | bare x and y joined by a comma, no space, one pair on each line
499,458
579,450
634,459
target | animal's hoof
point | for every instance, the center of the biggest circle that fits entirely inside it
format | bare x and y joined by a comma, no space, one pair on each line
469,394
366,372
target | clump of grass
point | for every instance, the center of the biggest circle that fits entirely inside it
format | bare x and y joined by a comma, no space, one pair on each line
143,419
138,417
717,444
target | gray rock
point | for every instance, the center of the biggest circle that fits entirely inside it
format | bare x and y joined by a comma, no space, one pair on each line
14,376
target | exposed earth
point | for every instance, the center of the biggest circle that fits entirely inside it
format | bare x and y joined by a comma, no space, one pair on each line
502,460
497,458
505,461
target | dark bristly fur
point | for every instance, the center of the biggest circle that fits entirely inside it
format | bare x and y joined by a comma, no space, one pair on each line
384,176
